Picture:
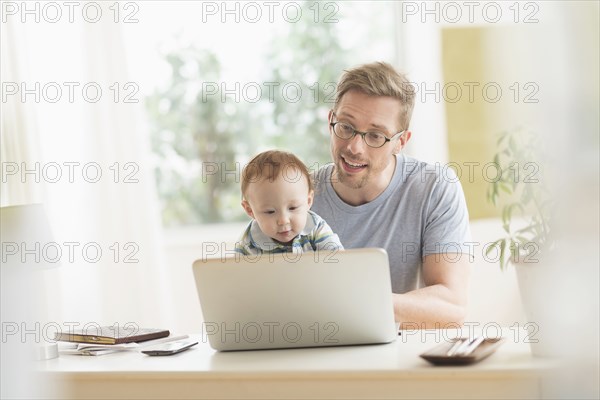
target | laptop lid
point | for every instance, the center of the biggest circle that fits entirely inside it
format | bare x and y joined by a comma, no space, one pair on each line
290,300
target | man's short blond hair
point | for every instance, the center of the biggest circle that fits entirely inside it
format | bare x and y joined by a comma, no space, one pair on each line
274,163
379,79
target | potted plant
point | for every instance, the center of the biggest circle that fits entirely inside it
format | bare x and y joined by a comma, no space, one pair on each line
527,201
527,204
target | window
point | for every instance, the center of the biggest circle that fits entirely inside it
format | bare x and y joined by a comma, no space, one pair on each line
225,80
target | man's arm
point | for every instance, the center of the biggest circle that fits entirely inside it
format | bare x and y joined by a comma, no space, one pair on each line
444,298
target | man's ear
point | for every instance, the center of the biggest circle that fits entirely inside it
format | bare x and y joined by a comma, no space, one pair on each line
404,138
247,208
311,196
329,120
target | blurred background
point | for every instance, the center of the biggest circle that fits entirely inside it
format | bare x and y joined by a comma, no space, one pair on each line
131,121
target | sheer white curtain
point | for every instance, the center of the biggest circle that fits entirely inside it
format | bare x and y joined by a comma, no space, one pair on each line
112,268
15,118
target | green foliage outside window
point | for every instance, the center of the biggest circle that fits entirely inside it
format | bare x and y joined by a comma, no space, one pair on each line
202,142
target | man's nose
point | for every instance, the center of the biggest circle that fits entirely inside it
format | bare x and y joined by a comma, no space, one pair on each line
357,144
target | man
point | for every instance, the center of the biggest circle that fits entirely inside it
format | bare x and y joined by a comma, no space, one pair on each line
374,196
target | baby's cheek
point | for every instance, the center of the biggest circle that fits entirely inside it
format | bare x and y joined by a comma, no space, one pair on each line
300,221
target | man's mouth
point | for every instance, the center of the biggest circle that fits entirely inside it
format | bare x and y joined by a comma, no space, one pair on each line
352,166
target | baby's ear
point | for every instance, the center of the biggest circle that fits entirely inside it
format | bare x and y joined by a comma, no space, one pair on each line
247,208
311,196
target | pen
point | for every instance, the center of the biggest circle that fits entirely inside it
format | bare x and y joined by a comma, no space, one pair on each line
457,350
458,343
464,345
472,346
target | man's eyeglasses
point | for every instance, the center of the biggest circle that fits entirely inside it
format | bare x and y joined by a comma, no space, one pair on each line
375,139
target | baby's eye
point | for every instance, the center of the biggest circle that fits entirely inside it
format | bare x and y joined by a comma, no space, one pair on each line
269,212
293,208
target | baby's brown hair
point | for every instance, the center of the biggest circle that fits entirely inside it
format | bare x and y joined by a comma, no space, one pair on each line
270,165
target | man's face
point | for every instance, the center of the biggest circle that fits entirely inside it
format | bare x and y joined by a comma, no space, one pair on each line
357,165
279,206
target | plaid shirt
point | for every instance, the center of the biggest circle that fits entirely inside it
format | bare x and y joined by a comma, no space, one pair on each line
315,236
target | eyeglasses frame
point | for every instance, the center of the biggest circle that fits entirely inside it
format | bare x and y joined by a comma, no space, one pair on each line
362,134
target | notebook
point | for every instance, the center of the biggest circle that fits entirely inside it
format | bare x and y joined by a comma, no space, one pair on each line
343,297
111,335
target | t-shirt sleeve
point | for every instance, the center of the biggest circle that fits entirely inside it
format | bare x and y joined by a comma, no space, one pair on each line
447,219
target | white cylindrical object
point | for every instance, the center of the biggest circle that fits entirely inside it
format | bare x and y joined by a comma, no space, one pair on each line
45,351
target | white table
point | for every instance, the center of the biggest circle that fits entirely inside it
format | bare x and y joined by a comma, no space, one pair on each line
355,372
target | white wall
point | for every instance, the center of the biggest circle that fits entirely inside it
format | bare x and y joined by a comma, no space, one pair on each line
182,247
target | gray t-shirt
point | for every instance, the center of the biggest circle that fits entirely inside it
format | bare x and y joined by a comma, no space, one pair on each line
422,212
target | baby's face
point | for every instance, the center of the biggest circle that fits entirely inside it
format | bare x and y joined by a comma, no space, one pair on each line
279,206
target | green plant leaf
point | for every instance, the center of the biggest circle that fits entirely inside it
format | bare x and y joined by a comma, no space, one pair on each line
505,188
502,254
514,251
497,160
532,200
522,239
512,144
492,247
501,138
506,219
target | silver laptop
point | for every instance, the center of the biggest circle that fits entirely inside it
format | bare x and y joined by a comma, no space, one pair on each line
296,300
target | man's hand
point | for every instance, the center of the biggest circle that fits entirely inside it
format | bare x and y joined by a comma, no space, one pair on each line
444,298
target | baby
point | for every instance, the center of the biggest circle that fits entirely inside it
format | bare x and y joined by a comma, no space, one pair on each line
277,192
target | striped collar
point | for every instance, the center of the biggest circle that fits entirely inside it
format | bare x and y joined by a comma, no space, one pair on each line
259,240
